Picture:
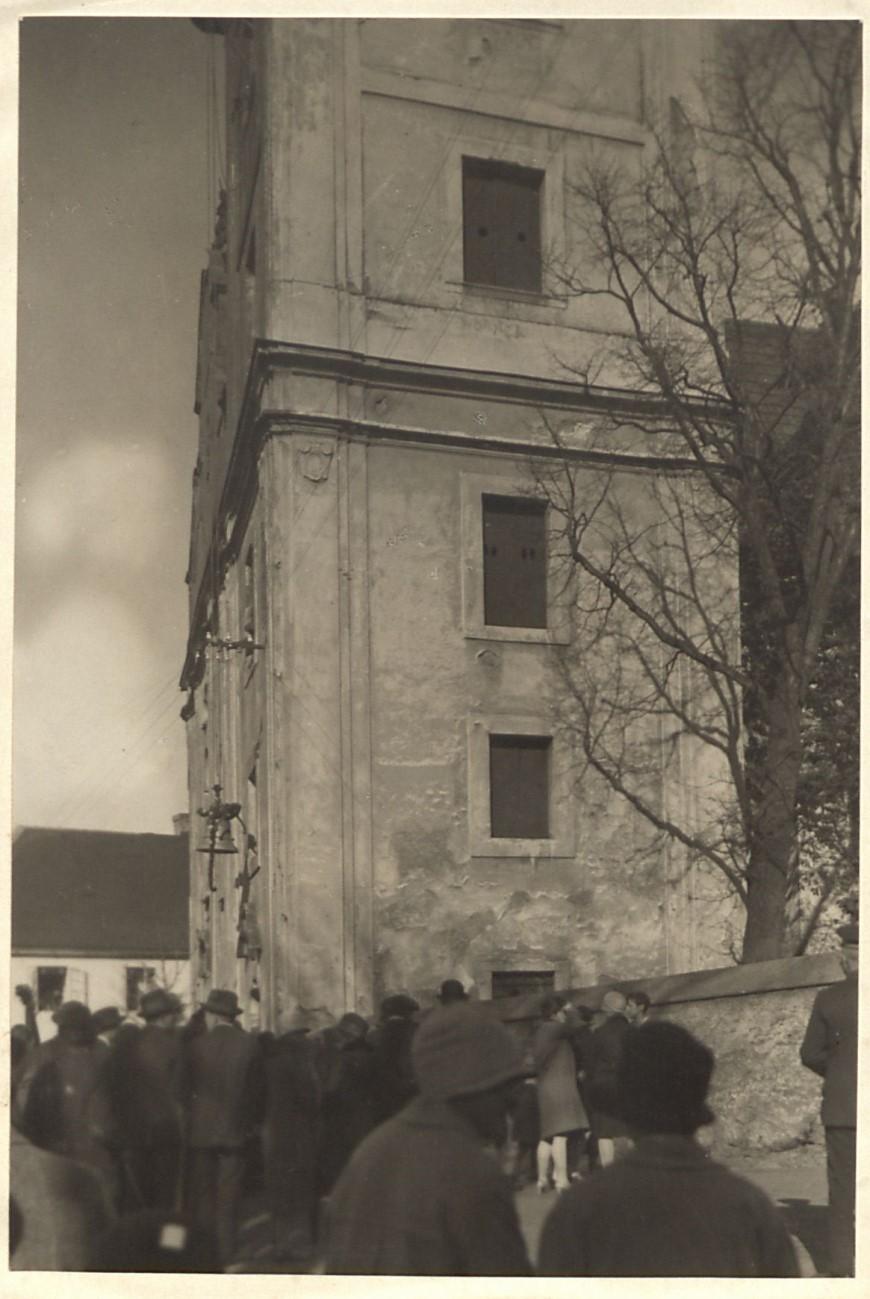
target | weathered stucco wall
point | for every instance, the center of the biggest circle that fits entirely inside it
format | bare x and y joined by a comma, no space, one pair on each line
374,693
609,902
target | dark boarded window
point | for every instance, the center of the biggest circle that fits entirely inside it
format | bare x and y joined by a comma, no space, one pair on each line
519,785
50,982
501,213
515,983
514,562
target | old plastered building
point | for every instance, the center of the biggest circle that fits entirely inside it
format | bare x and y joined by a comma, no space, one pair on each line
373,606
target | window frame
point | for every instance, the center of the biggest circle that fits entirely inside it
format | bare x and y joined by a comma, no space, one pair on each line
503,962
538,987
549,159
473,488
561,842
40,993
476,172
531,507
541,744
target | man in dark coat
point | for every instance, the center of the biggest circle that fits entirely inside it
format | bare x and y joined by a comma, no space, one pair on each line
604,1051
345,1067
393,1082
830,1049
225,1089
421,1196
58,1093
144,1075
291,1136
665,1208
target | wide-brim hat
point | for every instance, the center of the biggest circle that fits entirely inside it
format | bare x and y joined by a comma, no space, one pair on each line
221,1001
158,1002
106,1018
460,1051
662,1079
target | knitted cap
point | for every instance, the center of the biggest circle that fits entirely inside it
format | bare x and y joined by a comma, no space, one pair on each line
663,1077
460,1050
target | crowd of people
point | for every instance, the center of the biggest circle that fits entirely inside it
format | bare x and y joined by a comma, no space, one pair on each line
392,1148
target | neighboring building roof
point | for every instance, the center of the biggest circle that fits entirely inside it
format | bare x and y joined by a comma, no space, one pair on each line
100,893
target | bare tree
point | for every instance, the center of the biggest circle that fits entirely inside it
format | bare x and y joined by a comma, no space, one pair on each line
734,261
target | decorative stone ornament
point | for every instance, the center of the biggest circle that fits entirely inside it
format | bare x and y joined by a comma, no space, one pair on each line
314,462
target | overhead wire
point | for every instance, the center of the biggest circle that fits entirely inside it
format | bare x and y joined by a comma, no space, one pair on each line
113,773
90,770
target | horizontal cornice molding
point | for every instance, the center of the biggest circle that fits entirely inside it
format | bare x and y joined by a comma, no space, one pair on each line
89,954
279,423
454,381
256,423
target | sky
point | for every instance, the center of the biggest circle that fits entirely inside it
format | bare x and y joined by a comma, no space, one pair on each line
115,217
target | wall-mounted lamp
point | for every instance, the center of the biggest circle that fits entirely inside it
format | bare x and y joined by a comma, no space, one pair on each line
219,817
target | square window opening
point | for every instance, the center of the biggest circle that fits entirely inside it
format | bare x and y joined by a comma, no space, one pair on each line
514,562
501,214
50,984
519,785
518,983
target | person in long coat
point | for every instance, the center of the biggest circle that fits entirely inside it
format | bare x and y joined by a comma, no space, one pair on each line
559,1105
605,1048
421,1196
291,1137
830,1049
59,1089
144,1079
393,1083
224,1088
346,1069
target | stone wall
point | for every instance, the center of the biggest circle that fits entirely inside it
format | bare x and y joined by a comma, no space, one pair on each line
753,1017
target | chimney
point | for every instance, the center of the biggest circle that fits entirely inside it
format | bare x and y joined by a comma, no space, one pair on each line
181,823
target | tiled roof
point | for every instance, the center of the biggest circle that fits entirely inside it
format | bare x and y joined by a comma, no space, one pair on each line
100,893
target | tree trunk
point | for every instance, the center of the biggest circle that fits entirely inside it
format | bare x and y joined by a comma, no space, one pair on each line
773,852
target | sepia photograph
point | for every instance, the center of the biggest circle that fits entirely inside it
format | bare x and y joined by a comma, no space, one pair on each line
436,650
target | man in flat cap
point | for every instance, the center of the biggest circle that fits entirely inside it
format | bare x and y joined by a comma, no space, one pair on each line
830,1049
421,1196
225,1095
